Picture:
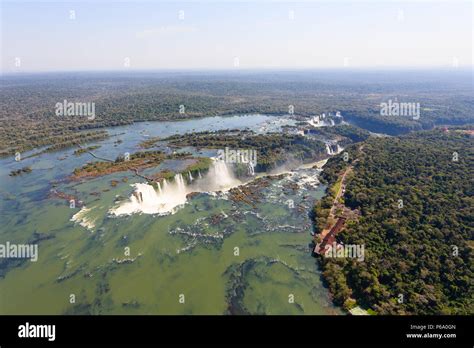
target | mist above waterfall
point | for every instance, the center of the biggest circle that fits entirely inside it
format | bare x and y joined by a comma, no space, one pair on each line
219,178
290,164
171,195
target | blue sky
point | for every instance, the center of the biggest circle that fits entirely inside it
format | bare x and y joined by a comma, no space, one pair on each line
107,35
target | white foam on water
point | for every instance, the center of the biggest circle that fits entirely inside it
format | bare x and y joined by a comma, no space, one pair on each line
82,219
320,121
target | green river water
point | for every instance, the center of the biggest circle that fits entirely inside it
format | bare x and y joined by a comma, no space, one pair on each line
213,256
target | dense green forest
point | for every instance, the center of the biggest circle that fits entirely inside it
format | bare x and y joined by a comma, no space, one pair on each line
28,119
415,194
272,149
344,134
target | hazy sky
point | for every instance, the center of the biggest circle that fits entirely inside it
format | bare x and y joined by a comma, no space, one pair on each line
108,35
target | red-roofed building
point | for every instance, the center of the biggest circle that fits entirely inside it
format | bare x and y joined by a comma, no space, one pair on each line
330,238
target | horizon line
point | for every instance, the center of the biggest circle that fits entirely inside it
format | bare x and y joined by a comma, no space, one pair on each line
237,70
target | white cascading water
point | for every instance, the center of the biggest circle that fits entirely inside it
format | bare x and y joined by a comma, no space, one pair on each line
190,176
329,151
220,177
316,121
149,201
178,179
172,195
250,169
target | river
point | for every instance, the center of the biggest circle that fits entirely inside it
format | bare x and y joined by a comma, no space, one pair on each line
207,254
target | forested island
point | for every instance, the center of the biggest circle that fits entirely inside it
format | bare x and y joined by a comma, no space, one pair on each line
272,149
415,198
137,162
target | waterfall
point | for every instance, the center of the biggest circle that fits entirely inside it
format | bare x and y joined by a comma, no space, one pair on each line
190,176
199,174
171,195
329,151
332,122
333,148
178,179
220,175
251,169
